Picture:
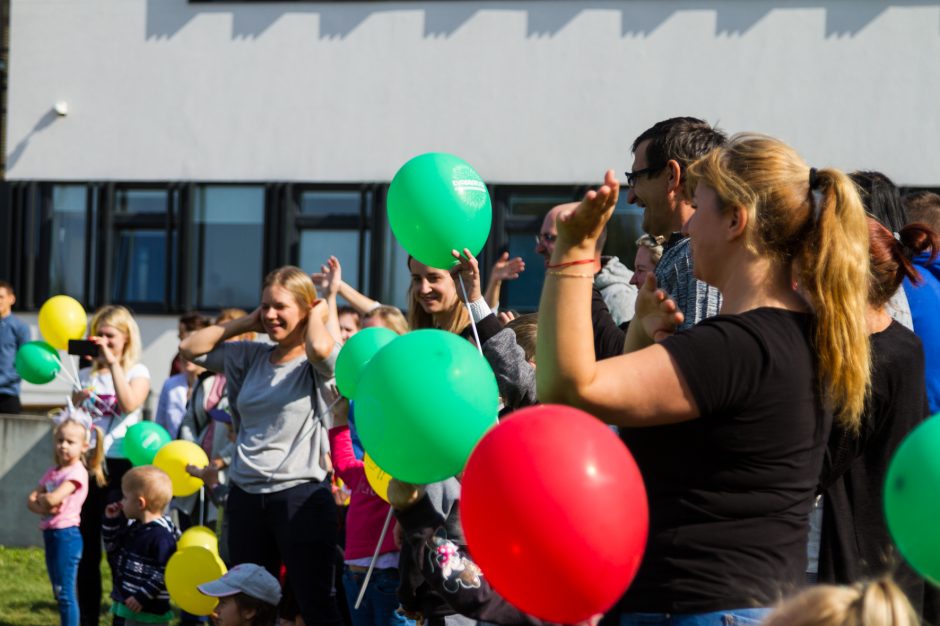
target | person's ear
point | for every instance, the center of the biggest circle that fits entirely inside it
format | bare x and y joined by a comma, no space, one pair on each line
142,503
674,180
248,615
737,222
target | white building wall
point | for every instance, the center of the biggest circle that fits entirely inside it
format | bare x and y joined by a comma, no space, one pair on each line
529,92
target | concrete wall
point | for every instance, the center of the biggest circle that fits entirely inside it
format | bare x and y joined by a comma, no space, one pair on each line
527,91
25,453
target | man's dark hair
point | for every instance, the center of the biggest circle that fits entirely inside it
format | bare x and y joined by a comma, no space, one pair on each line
923,207
882,199
5,285
683,139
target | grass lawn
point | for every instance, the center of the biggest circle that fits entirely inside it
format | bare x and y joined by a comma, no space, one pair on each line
26,594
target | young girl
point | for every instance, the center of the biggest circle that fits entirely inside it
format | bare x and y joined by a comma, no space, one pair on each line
113,390
59,498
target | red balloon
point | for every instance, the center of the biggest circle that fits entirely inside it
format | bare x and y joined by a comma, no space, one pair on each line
554,510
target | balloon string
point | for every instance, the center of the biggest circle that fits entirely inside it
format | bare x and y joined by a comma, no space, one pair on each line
375,556
466,301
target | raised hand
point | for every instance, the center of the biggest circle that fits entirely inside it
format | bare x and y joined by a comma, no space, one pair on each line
506,268
329,278
586,221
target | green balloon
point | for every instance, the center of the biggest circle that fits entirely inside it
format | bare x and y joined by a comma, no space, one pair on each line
37,362
438,203
142,442
423,403
912,506
356,354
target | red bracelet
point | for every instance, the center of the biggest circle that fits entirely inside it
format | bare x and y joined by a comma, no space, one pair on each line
569,264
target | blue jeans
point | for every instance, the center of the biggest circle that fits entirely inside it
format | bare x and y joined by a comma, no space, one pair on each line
730,617
380,601
63,552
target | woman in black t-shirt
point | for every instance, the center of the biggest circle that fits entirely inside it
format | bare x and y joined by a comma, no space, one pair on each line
733,409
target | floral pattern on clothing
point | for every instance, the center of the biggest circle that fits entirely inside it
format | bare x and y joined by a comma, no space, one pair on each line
456,570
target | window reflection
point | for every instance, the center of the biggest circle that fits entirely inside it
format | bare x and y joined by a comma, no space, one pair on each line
316,246
67,258
228,245
139,266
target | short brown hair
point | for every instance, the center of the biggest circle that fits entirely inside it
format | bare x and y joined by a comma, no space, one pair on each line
151,483
5,285
526,329
923,207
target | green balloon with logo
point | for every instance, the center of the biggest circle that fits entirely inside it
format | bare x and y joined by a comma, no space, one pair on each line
437,203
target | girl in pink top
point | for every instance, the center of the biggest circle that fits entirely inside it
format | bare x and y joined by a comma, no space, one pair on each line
58,499
364,521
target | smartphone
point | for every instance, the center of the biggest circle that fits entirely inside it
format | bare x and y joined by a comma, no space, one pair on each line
83,347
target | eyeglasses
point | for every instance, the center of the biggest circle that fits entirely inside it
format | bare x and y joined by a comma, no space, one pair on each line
542,239
649,171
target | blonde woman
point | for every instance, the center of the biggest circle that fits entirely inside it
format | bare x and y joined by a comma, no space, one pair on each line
113,390
280,507
727,420
875,603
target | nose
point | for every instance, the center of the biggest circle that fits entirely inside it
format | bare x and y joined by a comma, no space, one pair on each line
631,196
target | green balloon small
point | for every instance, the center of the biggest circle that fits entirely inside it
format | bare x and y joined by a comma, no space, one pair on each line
37,362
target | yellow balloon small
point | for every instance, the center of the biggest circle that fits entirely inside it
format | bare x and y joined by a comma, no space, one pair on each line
377,477
173,459
188,568
62,318
199,536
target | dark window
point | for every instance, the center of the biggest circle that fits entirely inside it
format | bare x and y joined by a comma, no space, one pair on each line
143,261
67,249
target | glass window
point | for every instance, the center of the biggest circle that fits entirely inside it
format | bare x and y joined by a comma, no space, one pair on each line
396,277
316,246
331,203
228,238
140,201
139,266
623,229
67,258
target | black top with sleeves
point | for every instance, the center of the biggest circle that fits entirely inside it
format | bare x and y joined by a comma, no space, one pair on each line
730,492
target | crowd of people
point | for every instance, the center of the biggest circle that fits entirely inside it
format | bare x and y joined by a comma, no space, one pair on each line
774,343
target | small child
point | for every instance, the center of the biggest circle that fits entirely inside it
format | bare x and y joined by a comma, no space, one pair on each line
142,547
59,498
249,596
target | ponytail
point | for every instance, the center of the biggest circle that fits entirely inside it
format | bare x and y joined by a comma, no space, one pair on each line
94,458
891,257
834,274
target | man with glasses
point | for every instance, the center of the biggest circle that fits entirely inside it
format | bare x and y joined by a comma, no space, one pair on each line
661,155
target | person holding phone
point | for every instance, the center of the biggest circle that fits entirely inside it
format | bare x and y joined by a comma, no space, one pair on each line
113,390
280,506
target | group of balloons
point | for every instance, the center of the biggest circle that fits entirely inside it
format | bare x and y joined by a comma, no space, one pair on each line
148,443
60,318
196,561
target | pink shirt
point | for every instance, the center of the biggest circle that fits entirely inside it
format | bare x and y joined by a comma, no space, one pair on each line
367,511
70,512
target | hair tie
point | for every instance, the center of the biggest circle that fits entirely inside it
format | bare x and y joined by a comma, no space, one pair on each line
897,235
813,178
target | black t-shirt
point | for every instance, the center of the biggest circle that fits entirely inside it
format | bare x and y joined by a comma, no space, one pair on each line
730,492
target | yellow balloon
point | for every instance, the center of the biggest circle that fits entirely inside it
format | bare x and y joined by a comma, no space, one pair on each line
62,318
200,536
173,459
377,477
188,568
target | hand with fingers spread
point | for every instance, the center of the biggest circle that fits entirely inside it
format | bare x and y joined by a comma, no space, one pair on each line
504,317
506,268
656,311
469,270
585,222
329,278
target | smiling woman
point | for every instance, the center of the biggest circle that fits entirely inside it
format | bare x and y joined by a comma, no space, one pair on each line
278,472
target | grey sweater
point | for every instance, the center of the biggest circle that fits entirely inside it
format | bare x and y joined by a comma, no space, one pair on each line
279,414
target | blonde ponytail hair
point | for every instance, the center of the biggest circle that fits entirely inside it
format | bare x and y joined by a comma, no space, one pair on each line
94,458
875,603
823,229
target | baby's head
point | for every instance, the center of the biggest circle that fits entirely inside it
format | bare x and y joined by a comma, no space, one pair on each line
248,595
147,489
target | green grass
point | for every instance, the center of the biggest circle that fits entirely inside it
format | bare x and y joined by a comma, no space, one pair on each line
26,594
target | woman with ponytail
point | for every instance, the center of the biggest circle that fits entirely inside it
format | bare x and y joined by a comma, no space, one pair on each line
727,420
855,543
